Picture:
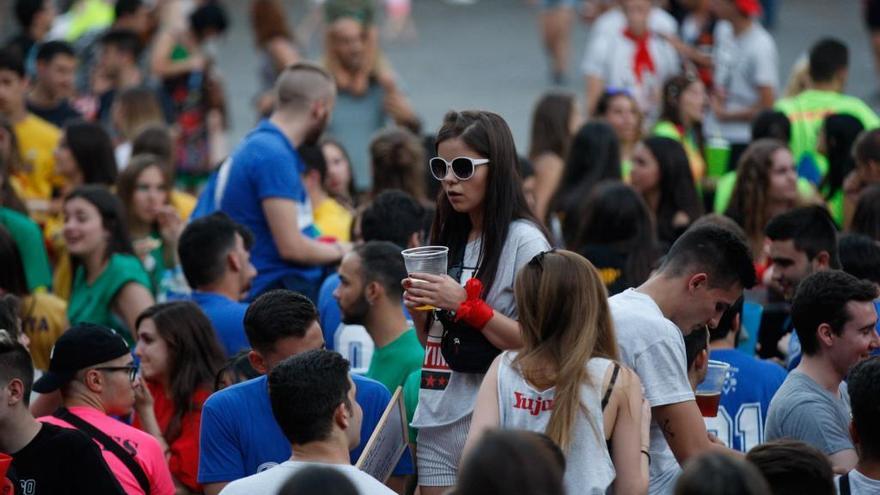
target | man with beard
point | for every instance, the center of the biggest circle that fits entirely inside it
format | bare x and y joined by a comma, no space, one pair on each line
369,294
259,186
215,256
802,241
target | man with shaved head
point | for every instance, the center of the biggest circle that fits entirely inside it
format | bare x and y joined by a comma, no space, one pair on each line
259,186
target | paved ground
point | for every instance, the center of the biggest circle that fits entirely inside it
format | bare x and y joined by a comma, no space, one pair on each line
488,55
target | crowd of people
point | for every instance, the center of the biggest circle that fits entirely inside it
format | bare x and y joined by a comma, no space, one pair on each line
192,317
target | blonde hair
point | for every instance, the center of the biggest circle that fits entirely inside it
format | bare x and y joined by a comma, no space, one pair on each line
563,311
138,108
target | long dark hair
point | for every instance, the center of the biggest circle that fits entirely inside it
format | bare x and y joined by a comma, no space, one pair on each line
126,183
550,124
677,190
841,131
615,215
671,108
13,163
487,134
194,355
594,156
92,149
12,276
112,219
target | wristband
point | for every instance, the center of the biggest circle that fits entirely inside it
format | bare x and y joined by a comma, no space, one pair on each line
647,455
474,311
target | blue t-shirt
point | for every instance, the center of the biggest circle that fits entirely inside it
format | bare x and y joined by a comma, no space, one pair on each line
227,317
265,165
239,436
794,343
745,399
328,309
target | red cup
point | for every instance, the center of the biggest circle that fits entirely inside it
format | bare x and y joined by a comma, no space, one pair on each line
6,487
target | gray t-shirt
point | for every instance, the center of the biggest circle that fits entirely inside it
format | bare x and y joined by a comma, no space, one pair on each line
271,480
859,484
444,405
653,346
803,410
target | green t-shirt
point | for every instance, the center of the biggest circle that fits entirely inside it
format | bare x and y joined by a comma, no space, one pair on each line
94,303
29,240
806,112
392,363
411,400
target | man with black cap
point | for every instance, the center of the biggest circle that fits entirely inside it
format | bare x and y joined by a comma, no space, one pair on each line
93,367
46,459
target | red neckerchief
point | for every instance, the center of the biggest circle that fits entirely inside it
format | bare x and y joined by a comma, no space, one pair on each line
642,60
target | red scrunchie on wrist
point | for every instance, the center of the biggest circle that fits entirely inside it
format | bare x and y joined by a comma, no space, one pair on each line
474,311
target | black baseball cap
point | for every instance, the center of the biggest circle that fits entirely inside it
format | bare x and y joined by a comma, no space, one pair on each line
81,346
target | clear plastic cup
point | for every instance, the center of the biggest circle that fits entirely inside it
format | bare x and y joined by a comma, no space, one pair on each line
426,259
709,391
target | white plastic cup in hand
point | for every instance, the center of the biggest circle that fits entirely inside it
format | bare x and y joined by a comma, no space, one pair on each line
709,391
426,259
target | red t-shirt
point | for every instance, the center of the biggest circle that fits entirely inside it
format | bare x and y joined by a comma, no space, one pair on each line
184,459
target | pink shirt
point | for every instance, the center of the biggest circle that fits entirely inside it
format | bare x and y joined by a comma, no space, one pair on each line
145,448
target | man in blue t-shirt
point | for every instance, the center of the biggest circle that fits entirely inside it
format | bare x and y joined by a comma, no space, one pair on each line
259,186
748,389
239,435
215,256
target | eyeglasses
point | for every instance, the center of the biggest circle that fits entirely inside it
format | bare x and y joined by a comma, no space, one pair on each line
463,167
131,369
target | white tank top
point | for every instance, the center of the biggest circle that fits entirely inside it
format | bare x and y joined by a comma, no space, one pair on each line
589,469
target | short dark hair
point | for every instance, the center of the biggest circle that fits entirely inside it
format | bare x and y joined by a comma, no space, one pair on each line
51,49
15,363
203,245
126,7
313,157
715,473
318,479
771,124
694,343
827,57
866,219
867,147
821,298
210,15
382,262
725,324
393,216
793,468
305,390
811,228
860,257
154,139
864,397
124,40
26,10
714,250
12,62
278,314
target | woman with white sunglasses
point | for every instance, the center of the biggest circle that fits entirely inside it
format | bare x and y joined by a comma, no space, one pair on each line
484,220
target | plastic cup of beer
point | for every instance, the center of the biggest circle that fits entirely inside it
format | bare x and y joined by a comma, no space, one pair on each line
426,259
709,391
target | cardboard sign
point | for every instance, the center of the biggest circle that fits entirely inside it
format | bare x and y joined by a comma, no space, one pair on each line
387,442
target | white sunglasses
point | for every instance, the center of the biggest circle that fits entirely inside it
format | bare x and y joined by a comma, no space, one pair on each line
463,167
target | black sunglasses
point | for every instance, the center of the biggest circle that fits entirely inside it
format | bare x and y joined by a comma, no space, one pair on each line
463,167
131,369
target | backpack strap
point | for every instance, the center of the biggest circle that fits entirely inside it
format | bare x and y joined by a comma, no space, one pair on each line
607,396
109,444
843,484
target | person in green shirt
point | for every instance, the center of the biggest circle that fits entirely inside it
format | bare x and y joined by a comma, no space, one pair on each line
29,240
829,66
370,294
681,119
110,286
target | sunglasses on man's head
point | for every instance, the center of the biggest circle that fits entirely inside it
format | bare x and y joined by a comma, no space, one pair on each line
463,167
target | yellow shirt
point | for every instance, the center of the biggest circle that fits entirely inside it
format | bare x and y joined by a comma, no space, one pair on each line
183,203
333,220
44,319
37,140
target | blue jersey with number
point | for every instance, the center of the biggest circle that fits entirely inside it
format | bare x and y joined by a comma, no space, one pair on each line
745,399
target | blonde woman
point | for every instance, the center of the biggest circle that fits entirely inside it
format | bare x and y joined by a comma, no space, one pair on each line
566,380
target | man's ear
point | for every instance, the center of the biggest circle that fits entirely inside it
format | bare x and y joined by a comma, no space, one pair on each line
258,362
373,292
14,392
233,263
701,363
342,416
822,260
824,334
696,281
